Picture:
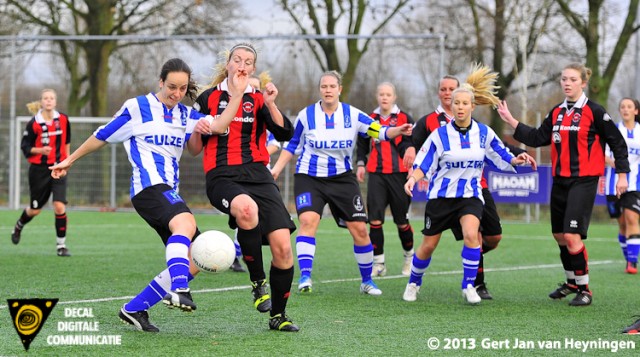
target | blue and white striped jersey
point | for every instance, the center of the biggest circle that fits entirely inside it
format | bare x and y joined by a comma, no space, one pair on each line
154,138
453,162
271,140
324,144
632,139
610,177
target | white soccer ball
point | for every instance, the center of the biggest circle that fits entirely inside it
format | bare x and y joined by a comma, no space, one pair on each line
213,252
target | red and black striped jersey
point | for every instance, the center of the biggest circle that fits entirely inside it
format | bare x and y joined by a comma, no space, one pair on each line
40,133
245,140
385,156
428,123
577,135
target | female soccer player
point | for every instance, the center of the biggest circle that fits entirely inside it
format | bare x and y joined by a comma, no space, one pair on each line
454,157
387,174
577,130
490,227
154,129
626,209
273,145
239,183
324,138
46,141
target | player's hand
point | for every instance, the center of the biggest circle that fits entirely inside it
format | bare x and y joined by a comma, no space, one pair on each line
360,173
203,126
409,157
45,150
270,93
275,174
622,185
60,170
505,114
238,83
524,159
408,186
406,129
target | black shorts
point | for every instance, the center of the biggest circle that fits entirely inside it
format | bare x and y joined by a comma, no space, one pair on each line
490,223
157,205
441,214
613,206
272,213
42,185
630,200
388,189
341,192
572,203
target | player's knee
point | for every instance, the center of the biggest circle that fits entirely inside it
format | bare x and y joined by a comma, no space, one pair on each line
425,250
32,212
59,207
492,241
245,211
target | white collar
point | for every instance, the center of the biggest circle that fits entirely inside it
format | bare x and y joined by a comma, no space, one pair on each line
224,86
394,110
441,110
581,102
40,118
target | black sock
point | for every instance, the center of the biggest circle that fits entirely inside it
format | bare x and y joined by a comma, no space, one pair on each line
61,225
581,268
487,248
406,237
565,258
480,275
251,244
280,281
377,238
23,220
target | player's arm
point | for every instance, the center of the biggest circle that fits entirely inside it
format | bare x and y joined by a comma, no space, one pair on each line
283,160
362,150
28,141
289,148
90,145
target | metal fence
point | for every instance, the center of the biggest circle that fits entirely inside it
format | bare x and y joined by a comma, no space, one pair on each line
102,179
414,63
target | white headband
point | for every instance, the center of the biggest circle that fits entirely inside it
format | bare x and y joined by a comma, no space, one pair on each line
246,47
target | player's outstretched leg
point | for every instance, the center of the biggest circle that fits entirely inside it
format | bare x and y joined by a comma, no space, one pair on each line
177,255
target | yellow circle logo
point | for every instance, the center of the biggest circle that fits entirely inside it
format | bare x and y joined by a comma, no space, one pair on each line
28,319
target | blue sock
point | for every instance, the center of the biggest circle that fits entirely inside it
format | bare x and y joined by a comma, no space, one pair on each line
306,251
177,255
364,257
418,267
470,263
623,245
152,293
633,248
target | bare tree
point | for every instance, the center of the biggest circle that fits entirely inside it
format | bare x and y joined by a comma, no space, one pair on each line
341,17
512,38
590,30
87,61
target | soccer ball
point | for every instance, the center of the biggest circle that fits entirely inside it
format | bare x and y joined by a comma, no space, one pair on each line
213,252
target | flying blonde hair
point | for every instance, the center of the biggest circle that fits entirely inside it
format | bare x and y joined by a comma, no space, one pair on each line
264,78
481,84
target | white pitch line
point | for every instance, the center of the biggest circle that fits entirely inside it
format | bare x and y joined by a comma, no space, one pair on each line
243,287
